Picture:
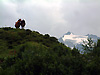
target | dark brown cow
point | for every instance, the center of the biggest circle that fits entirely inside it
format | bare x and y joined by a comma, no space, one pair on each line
22,24
17,24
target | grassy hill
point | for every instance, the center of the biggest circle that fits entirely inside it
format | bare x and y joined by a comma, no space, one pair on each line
26,52
11,38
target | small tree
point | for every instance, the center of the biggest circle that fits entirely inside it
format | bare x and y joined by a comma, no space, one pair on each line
88,45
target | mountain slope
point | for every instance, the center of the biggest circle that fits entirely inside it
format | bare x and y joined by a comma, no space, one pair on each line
11,38
26,52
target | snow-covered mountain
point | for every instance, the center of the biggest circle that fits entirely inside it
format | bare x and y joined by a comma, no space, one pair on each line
71,40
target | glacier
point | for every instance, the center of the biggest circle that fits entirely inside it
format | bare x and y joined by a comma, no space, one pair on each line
71,40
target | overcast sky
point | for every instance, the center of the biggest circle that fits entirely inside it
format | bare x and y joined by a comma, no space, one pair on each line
54,17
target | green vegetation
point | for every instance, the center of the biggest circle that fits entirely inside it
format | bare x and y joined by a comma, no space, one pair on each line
26,52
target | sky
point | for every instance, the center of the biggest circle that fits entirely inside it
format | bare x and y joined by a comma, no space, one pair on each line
53,17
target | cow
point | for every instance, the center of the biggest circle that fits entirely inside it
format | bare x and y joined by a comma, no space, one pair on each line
22,23
17,24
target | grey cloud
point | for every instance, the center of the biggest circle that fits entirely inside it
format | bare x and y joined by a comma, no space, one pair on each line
7,15
83,18
18,1
78,17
